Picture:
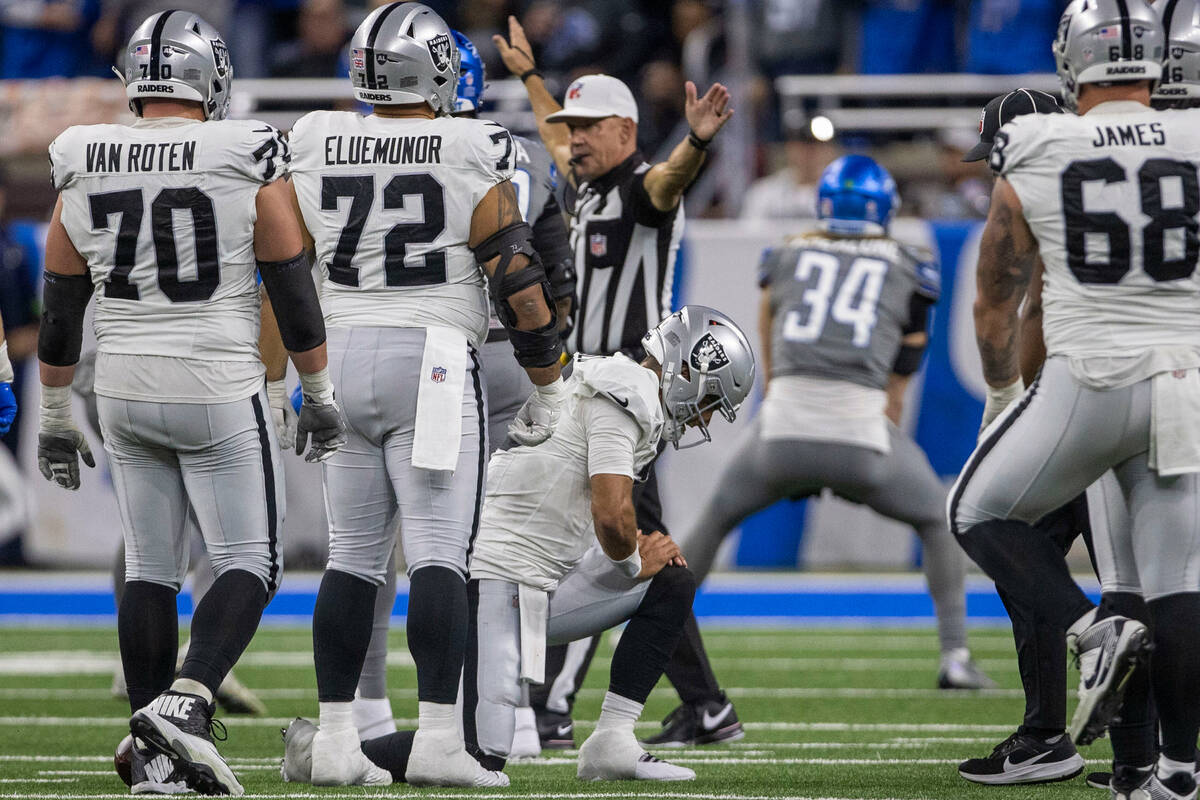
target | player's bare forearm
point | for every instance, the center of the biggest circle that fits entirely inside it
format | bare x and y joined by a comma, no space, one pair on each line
312,360
766,321
1033,344
613,515
1007,253
270,344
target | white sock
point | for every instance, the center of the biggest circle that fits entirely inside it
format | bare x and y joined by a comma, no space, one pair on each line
1169,766
188,686
1082,624
436,717
618,712
336,717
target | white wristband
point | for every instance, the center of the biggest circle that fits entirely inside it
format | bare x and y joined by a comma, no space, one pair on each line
631,565
56,409
277,393
317,386
999,399
6,370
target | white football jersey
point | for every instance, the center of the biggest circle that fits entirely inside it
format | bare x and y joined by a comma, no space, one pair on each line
537,512
1112,197
389,204
163,211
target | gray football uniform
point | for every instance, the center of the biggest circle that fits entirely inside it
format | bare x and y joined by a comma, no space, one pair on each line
840,308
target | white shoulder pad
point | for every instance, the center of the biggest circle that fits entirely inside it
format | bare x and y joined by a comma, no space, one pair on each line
626,383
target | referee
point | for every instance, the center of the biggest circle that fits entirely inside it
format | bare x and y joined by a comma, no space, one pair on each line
626,222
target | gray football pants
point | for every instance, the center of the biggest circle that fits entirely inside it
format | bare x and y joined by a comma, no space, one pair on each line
1060,438
371,479
900,485
591,598
221,459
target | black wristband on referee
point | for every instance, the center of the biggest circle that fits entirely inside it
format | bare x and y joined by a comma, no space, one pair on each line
529,73
696,142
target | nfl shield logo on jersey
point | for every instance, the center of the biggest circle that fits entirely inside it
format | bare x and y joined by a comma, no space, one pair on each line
438,375
439,48
598,244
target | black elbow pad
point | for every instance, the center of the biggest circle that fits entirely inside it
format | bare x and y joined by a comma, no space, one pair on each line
293,295
64,299
539,347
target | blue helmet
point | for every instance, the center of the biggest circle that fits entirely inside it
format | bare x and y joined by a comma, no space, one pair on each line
856,196
470,76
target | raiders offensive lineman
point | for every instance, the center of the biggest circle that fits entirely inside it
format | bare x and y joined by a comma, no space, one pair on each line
167,219
507,384
404,204
1122,343
559,556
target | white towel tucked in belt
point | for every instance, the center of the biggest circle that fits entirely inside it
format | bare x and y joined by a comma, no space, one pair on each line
438,430
1175,422
535,611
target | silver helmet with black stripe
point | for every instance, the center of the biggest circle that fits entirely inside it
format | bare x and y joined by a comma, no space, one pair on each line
707,365
1180,86
176,55
405,53
1107,41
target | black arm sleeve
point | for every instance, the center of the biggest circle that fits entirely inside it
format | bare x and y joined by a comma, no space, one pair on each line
908,360
293,295
64,299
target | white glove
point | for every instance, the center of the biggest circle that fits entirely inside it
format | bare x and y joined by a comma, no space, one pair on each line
282,413
535,421
60,443
999,399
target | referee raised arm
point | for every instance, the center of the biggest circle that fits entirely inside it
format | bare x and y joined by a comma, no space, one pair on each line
626,220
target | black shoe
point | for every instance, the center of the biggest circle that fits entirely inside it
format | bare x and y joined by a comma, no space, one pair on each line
710,722
179,726
1098,780
1025,758
556,731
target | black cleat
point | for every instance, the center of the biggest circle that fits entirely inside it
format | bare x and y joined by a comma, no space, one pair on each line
710,722
179,726
1025,758
556,731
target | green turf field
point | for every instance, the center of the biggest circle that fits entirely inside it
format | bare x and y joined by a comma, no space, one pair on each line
829,713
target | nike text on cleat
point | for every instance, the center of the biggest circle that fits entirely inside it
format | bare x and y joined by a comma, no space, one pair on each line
709,722
297,751
1025,758
146,772
178,725
1108,653
615,755
439,758
338,760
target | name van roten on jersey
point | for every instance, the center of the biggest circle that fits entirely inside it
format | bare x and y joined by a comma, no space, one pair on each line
383,150
145,157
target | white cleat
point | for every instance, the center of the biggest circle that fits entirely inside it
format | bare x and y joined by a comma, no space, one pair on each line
1108,652
615,755
525,743
958,671
440,759
338,760
372,716
297,751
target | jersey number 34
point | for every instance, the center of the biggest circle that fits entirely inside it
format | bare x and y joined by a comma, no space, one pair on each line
853,301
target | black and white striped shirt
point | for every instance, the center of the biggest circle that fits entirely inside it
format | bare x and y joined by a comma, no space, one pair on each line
625,252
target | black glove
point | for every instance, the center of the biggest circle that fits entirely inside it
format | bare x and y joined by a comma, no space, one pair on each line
58,456
324,421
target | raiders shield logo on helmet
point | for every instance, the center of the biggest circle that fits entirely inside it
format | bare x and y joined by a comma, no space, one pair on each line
220,56
708,354
439,48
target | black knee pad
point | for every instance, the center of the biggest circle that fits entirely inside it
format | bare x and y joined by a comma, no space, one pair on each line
670,594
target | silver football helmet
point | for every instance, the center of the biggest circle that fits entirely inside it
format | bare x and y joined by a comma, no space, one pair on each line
1180,87
405,53
1107,41
707,364
176,55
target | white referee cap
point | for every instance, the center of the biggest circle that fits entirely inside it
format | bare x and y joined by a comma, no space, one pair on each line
596,97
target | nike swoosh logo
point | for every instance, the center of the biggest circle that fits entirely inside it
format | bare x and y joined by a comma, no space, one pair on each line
622,402
564,730
712,720
1009,764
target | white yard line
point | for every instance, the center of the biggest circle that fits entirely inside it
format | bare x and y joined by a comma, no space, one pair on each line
651,791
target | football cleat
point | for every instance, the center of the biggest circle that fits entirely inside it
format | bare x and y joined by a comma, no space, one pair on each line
556,731
709,722
1130,783
1108,652
337,759
1025,758
146,772
615,755
439,758
180,726
297,751
958,671
234,697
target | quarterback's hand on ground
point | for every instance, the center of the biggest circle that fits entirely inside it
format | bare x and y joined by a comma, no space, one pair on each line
328,429
515,51
58,456
707,114
8,407
535,421
283,415
657,550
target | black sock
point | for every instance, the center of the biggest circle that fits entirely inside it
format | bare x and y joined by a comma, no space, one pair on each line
1030,568
437,631
342,621
1134,731
1174,671
390,752
689,670
652,634
223,625
1042,663
148,632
